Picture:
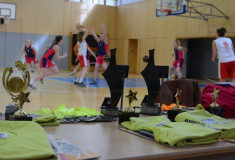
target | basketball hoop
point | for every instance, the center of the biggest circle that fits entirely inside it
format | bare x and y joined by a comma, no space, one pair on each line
170,7
162,13
6,19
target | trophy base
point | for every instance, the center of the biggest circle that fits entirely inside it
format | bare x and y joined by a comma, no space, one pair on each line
111,112
10,110
16,118
171,114
215,110
125,116
150,110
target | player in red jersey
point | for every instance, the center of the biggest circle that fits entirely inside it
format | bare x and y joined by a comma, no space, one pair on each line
30,55
46,60
102,51
178,63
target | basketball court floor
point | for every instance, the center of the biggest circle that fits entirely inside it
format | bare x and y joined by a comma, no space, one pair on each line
60,89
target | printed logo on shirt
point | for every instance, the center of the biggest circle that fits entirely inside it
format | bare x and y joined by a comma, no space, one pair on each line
3,136
160,124
195,122
213,121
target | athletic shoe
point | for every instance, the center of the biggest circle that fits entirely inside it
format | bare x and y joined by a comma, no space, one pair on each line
76,83
71,74
32,87
81,84
41,80
93,82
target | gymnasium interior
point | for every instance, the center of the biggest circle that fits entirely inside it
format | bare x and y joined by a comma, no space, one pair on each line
69,122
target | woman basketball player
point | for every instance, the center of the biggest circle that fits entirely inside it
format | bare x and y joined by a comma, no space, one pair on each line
46,60
178,63
89,51
30,55
82,56
102,51
223,48
79,27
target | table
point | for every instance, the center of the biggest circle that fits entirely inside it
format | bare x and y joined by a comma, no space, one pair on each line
105,139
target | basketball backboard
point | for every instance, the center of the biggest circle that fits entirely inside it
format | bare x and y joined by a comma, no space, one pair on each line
170,7
8,10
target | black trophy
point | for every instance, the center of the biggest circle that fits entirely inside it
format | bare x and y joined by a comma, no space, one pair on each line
114,75
151,77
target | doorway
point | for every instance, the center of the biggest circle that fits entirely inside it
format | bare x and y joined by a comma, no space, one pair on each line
199,64
132,55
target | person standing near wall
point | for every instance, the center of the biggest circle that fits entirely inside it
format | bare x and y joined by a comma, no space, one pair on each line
223,48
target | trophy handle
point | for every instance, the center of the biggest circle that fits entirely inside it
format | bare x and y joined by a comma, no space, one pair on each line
26,77
5,79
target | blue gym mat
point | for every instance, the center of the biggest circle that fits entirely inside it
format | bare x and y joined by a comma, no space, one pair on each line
101,83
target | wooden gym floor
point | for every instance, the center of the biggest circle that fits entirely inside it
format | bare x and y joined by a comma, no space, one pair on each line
55,92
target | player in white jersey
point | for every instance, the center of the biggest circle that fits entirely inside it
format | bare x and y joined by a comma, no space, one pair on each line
223,48
82,52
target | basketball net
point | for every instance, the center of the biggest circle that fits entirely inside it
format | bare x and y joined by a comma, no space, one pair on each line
162,13
6,19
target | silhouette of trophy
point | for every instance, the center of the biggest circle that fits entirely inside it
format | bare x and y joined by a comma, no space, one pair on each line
151,77
114,75
15,86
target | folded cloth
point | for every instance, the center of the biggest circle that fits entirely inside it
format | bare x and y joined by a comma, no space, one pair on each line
173,133
225,100
62,111
46,120
205,119
170,107
44,117
26,140
43,111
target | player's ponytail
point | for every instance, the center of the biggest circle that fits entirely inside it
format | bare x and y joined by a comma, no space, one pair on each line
221,32
58,39
80,35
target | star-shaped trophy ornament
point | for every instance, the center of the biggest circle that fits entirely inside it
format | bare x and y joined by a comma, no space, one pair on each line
132,97
215,95
15,86
23,97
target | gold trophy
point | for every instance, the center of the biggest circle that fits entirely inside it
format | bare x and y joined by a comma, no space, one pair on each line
131,97
15,86
128,112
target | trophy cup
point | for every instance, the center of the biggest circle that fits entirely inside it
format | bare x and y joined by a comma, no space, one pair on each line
114,76
15,86
176,109
151,77
129,111
214,108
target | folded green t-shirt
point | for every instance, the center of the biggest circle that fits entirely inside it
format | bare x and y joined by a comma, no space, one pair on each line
46,120
205,119
26,140
173,133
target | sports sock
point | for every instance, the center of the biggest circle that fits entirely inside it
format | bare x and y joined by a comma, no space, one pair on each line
81,80
77,80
